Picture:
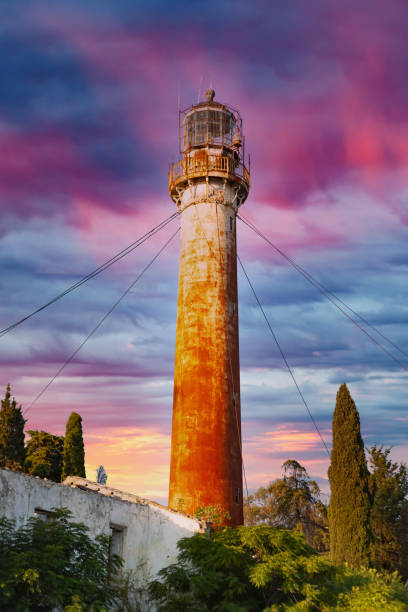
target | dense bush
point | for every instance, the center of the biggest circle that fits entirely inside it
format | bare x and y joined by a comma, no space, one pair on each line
263,568
54,564
388,484
44,453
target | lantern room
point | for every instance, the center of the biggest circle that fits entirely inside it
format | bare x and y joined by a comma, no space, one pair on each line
211,124
211,144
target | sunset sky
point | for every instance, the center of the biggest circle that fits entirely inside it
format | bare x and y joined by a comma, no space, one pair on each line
88,125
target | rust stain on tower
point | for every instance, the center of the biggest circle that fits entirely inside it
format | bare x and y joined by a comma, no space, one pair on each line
208,185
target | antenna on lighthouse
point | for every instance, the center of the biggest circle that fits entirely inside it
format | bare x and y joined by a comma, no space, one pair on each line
199,90
178,112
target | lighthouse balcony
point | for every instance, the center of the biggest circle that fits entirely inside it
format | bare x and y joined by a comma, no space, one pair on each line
221,166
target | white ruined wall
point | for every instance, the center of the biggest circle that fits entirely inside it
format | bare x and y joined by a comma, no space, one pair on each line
149,533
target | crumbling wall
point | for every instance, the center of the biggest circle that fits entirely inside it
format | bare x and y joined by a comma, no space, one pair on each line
146,533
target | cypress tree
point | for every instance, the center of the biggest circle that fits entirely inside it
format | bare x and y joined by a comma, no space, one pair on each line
74,454
349,510
11,433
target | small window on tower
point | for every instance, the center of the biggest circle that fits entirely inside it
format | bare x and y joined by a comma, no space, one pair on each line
233,308
237,494
231,223
180,504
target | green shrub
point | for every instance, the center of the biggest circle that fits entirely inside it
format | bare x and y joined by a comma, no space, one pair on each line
45,565
262,568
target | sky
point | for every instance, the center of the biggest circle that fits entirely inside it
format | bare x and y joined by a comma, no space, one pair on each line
88,126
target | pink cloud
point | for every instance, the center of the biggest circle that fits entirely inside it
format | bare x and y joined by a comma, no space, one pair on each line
46,164
266,451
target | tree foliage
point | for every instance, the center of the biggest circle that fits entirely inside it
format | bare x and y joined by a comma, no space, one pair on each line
368,590
11,433
74,454
215,514
262,568
292,502
388,482
48,565
349,510
44,453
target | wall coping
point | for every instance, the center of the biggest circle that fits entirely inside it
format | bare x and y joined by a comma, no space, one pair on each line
89,486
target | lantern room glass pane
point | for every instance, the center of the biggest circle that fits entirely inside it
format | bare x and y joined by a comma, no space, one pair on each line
209,126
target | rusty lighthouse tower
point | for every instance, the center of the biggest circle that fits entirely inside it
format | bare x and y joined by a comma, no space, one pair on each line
208,185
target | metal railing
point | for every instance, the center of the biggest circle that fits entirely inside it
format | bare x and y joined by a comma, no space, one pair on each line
190,167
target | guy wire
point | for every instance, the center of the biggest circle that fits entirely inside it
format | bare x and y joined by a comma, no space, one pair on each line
325,293
95,272
97,326
284,357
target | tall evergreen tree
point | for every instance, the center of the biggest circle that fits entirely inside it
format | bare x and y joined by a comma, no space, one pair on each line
11,433
349,510
44,455
74,453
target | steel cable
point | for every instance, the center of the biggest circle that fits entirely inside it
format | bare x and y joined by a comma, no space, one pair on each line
284,357
95,272
97,326
326,293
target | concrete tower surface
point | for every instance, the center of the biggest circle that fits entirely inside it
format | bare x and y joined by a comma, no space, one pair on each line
208,185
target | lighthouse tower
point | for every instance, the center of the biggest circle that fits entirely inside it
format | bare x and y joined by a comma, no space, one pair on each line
208,185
